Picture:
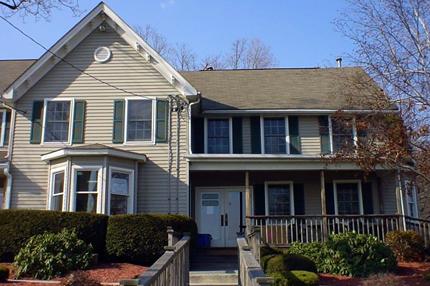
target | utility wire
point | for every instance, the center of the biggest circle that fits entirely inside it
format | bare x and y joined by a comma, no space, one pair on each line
67,62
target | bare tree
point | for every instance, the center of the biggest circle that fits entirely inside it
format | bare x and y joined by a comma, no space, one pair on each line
392,40
236,58
155,39
250,54
183,58
37,8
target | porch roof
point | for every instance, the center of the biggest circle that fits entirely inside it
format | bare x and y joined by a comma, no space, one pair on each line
93,150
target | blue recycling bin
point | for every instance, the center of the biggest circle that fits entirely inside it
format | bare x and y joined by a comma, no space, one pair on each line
204,240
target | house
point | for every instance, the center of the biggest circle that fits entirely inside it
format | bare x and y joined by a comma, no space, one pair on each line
104,124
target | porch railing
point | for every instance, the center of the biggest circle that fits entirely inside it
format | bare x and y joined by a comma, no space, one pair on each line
171,269
284,230
250,271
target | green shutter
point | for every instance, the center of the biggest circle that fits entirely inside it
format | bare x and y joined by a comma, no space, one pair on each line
118,121
299,199
259,200
79,122
293,128
162,121
197,135
366,189
329,199
237,135
7,128
36,122
324,134
255,135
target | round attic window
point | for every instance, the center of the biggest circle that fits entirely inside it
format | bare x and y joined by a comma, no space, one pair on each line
102,54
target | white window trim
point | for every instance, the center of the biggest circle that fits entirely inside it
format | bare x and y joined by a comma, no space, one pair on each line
3,127
71,118
153,122
360,194
52,173
100,184
266,195
408,184
230,133
287,134
131,188
330,131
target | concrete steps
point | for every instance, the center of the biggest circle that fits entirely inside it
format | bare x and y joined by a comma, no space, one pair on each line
213,278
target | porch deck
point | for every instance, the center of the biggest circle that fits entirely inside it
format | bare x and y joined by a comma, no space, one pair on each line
284,230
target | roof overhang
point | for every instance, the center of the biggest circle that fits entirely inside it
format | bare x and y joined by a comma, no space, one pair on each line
296,111
101,13
62,153
264,162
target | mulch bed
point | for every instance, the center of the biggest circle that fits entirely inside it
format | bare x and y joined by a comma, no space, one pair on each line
104,273
408,273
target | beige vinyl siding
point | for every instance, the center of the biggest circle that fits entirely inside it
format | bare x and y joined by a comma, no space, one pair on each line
309,135
126,69
246,135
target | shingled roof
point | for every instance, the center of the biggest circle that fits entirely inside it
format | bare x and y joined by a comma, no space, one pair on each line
10,70
286,88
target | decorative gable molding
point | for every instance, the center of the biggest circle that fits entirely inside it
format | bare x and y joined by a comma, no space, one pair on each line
99,15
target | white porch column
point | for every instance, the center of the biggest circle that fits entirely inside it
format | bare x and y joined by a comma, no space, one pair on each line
247,202
323,206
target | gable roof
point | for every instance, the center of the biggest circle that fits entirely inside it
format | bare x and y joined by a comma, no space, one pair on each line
100,14
11,70
284,88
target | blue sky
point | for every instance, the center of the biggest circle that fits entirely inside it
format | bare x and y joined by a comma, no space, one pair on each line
300,33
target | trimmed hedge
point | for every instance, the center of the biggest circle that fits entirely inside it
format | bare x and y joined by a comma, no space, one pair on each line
406,245
295,278
141,238
17,226
283,263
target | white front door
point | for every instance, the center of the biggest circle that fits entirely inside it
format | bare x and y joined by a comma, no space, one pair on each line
220,214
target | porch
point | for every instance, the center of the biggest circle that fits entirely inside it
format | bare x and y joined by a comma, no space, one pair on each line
300,206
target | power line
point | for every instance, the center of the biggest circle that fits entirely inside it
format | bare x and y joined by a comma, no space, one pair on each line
67,62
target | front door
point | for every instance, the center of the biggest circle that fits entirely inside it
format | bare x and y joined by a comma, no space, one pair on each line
220,213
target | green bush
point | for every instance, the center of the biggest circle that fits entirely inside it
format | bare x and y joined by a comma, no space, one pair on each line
295,278
51,254
349,254
141,238
17,226
283,263
406,245
4,274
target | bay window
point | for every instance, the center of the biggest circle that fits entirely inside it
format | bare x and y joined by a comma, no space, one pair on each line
275,136
348,197
57,189
279,198
86,190
218,136
411,199
121,191
57,120
139,120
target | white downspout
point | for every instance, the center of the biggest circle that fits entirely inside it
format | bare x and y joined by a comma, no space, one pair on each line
8,186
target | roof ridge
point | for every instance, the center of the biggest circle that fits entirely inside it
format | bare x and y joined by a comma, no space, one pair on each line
274,68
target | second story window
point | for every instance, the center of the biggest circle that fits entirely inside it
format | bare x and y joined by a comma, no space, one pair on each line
343,134
275,136
57,121
139,120
218,136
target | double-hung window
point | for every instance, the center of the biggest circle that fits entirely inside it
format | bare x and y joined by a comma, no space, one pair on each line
121,191
218,136
57,189
139,120
5,116
57,121
411,199
343,134
275,136
86,190
348,198
279,198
